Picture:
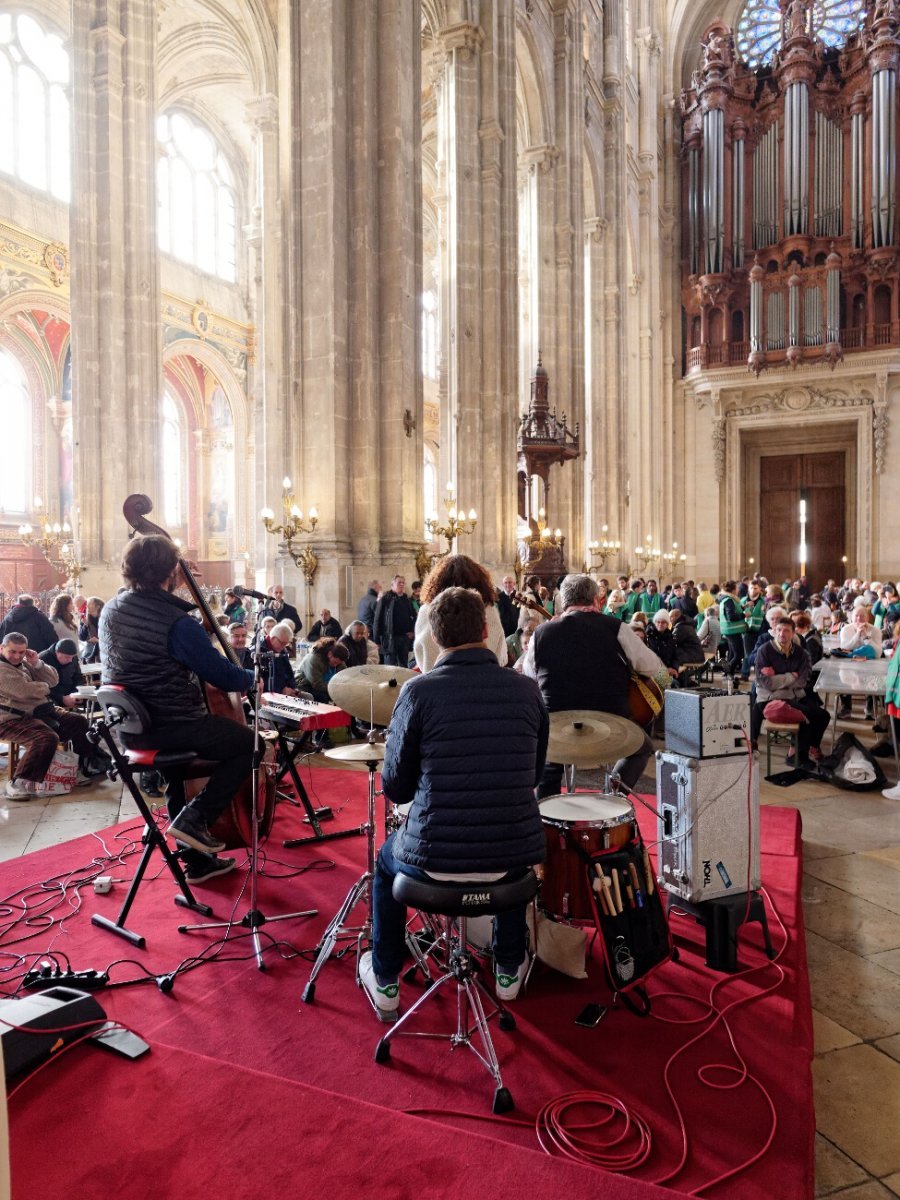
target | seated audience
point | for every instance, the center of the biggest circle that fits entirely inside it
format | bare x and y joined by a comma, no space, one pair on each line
661,641
860,638
326,626
517,643
783,671
820,613
688,651
615,604
237,635
234,609
355,641
89,631
29,717
62,616
63,658
324,660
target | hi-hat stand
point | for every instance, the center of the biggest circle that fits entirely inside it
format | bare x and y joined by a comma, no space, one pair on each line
254,919
371,753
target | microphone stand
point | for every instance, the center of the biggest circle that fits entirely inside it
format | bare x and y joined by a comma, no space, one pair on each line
254,919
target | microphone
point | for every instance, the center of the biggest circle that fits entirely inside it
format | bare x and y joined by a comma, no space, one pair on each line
242,591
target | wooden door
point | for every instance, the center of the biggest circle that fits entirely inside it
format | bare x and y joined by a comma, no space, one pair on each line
784,481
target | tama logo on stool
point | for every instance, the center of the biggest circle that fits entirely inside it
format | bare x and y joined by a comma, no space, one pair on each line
469,899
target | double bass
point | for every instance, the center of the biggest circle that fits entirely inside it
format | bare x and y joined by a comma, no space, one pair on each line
234,826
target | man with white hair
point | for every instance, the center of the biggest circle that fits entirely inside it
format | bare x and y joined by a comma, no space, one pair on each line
584,660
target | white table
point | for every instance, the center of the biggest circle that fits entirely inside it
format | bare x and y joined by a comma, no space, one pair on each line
90,670
854,677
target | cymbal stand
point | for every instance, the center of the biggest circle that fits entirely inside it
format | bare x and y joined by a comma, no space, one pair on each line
254,919
361,891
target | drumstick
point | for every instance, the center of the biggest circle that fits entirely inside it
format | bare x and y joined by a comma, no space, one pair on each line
629,892
609,896
648,872
635,882
618,894
601,892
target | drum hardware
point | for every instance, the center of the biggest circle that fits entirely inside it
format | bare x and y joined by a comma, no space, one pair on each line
371,753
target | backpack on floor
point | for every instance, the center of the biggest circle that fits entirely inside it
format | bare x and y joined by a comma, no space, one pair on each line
852,767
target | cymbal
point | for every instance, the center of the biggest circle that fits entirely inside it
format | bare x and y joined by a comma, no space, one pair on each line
363,752
587,739
368,692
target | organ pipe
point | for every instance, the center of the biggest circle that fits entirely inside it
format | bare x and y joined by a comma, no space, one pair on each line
812,317
765,189
796,159
857,150
833,305
714,190
794,311
775,321
737,202
694,209
756,303
884,157
829,174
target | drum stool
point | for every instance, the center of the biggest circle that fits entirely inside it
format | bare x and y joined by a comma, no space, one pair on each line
779,734
455,902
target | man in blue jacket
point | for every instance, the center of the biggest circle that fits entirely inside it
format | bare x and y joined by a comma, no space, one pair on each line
466,745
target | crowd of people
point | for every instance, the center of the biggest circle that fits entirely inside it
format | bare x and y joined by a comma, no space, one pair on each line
534,651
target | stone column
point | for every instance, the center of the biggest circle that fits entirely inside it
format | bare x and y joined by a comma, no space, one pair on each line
266,393
116,339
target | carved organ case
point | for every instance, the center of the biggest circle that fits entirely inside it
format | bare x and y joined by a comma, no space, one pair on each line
789,188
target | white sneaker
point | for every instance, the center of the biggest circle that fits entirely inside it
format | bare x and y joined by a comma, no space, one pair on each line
888,793
386,999
19,789
509,986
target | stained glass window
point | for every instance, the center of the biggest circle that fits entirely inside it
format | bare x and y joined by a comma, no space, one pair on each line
34,103
758,33
195,197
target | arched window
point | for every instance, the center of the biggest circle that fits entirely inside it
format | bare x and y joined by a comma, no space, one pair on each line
429,335
34,105
15,420
195,197
759,27
174,457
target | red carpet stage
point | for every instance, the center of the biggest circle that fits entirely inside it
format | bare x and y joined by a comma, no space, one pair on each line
247,1089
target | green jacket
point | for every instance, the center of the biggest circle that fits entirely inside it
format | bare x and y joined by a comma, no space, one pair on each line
756,615
650,603
731,616
892,687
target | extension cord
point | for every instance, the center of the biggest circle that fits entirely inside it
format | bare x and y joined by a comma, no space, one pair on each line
47,977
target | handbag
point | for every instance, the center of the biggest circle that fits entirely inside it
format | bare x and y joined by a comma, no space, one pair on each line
62,773
782,712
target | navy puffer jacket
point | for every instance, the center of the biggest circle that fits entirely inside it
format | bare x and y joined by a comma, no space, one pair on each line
467,745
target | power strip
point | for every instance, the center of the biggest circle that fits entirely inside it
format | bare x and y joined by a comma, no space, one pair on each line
48,976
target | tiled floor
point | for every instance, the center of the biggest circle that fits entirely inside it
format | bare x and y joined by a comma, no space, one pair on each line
852,905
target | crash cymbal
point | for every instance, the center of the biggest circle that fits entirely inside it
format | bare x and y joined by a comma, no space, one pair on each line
370,692
363,752
587,739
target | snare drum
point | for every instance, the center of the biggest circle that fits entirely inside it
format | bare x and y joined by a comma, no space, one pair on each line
575,824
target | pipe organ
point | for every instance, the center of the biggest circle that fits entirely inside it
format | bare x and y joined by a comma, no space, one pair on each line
789,195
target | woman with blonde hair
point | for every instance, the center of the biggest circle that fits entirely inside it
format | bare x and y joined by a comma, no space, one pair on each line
457,570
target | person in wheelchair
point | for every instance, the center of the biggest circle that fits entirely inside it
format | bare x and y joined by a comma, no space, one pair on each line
466,746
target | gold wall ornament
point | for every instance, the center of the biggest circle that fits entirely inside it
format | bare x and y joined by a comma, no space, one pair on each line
56,260
200,320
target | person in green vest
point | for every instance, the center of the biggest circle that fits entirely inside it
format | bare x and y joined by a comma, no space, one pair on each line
651,601
754,615
731,619
633,599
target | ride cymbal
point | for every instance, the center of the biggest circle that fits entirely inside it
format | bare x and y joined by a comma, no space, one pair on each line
369,692
588,738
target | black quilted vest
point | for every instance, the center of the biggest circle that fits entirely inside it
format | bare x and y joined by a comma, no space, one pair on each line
134,651
580,664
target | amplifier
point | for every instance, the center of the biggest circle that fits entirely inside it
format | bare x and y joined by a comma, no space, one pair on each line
706,724
706,836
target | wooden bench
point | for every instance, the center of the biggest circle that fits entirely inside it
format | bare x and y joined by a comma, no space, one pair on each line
13,749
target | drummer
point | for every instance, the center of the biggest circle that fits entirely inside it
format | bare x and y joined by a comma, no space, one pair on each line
466,747
584,660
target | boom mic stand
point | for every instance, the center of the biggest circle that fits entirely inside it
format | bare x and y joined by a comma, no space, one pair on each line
254,919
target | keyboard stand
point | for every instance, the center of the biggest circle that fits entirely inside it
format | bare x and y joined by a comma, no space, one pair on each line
287,764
